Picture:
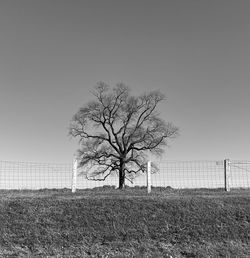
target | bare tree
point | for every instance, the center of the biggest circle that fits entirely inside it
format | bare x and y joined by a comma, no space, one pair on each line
117,130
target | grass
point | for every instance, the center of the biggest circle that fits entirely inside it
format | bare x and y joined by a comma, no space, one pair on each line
105,222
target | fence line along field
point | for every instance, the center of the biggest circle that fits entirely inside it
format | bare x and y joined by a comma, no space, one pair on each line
187,214
176,174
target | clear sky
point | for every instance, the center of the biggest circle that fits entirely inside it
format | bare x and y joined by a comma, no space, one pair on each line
197,52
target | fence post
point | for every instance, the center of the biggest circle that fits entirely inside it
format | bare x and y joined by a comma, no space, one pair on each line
74,175
227,175
149,176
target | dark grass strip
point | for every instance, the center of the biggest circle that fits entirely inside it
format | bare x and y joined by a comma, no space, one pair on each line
184,226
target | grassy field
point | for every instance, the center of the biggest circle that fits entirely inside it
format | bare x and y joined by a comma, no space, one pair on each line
105,222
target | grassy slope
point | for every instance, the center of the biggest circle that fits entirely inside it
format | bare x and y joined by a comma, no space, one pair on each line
129,223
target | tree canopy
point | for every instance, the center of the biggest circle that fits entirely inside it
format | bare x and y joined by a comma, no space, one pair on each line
117,130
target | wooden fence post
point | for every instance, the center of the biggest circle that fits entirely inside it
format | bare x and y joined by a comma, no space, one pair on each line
149,176
74,175
227,175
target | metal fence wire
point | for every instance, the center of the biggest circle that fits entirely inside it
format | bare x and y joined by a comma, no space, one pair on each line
176,174
190,174
240,173
33,175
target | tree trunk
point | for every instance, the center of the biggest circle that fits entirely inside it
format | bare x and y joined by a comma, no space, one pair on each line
121,175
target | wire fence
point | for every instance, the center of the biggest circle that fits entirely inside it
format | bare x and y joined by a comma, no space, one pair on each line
33,175
190,174
240,173
176,174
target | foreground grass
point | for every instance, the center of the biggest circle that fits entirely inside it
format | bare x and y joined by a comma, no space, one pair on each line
128,223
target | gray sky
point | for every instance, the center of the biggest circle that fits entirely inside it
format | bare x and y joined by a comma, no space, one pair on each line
197,52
